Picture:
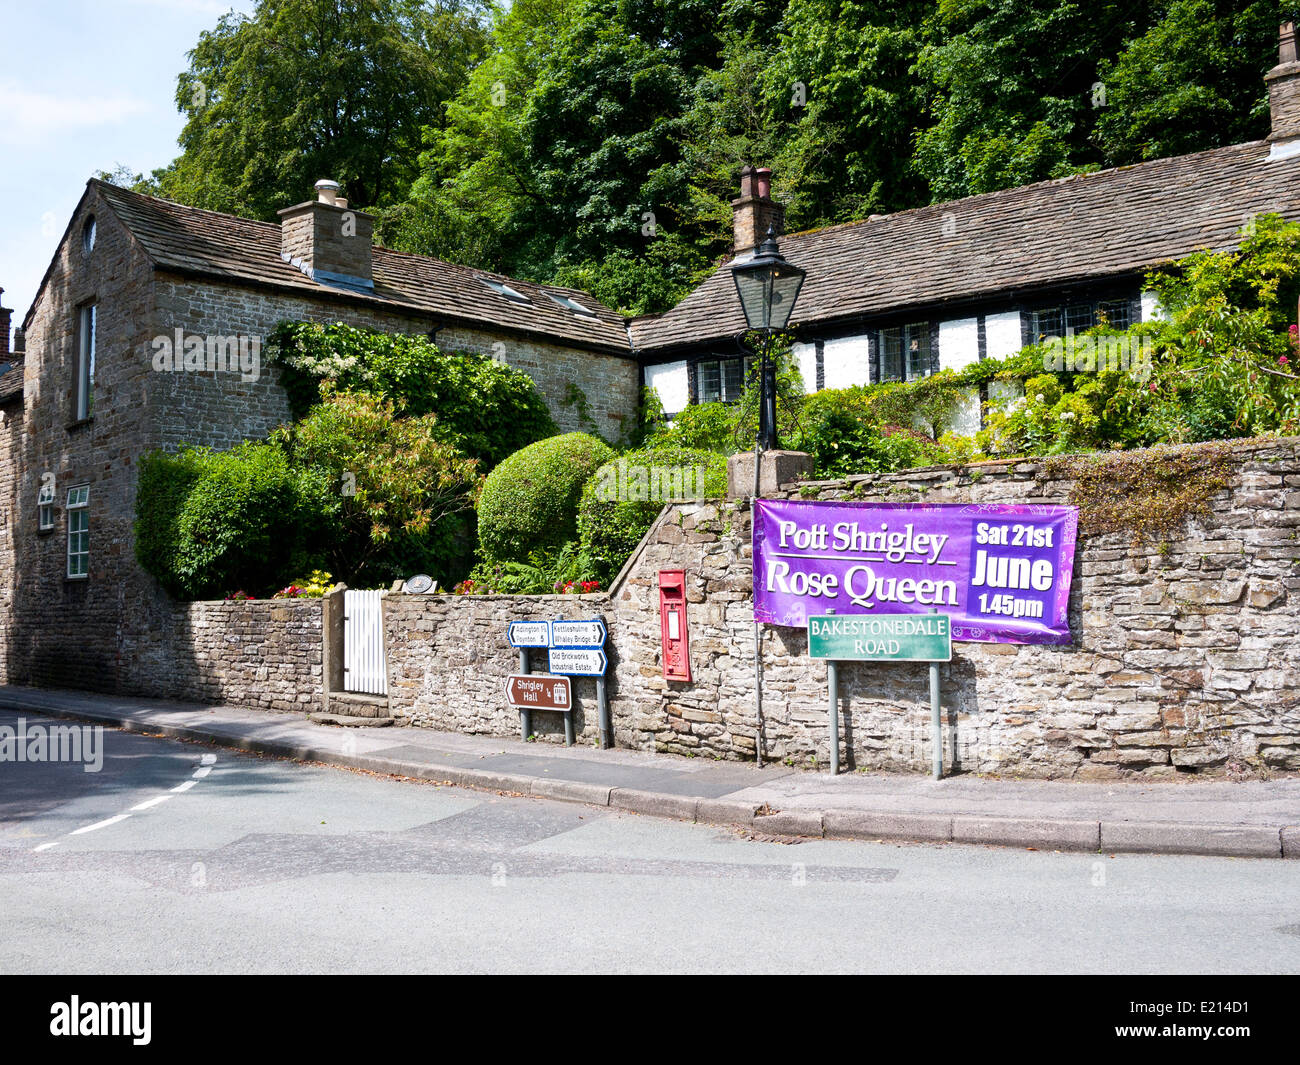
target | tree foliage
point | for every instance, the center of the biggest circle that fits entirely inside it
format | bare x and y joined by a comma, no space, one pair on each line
309,89
597,143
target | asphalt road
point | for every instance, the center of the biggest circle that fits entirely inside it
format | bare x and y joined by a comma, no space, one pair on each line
230,863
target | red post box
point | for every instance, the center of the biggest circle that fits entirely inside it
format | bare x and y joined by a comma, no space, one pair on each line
672,624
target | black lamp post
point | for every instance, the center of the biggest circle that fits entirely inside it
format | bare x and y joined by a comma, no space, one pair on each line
768,287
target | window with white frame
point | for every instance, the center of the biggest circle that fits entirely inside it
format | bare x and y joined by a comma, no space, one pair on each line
84,391
45,507
905,352
720,380
79,531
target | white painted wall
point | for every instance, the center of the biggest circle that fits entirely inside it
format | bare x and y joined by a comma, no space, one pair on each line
805,357
846,362
1151,309
966,415
959,343
1012,390
672,383
1002,334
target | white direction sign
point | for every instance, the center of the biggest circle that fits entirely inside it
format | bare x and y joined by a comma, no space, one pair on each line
529,634
578,661
578,633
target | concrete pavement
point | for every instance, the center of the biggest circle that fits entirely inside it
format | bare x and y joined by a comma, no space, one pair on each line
1242,819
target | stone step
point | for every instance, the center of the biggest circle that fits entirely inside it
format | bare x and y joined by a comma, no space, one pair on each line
355,704
349,721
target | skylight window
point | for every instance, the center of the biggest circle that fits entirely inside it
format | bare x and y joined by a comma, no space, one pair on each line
502,289
572,305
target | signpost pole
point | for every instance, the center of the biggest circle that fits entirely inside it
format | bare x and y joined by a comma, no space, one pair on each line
526,715
602,704
936,723
833,683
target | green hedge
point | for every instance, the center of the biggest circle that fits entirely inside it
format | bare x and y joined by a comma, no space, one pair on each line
621,501
530,501
209,523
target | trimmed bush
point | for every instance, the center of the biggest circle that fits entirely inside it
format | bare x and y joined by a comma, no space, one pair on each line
623,498
530,501
212,522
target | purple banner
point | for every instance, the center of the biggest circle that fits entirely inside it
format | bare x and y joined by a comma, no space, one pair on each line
1002,573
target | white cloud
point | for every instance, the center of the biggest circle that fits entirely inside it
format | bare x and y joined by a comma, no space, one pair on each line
25,115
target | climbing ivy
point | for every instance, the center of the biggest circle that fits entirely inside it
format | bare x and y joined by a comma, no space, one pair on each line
1149,494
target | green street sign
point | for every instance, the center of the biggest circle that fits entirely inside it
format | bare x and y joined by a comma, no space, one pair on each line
881,637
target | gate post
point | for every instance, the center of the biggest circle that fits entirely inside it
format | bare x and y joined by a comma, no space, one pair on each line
332,643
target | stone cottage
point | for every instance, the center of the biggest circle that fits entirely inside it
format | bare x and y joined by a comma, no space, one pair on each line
134,275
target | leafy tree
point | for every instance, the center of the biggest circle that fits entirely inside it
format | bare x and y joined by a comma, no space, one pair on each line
845,150
305,89
1012,89
468,202
1193,80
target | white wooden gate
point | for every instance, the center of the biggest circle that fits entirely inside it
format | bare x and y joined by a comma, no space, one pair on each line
364,669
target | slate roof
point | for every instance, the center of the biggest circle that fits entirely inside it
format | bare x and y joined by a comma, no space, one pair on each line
1112,223
208,243
11,380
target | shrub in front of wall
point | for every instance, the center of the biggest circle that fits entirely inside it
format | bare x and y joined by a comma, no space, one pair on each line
623,498
702,426
530,501
208,522
485,409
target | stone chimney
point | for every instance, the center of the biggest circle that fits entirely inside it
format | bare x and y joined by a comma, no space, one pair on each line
1283,83
328,241
5,312
755,211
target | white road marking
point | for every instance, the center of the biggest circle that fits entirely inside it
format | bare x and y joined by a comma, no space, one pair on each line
100,824
204,769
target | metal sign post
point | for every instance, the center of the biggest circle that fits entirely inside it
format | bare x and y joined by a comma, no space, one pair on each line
882,638
525,717
574,649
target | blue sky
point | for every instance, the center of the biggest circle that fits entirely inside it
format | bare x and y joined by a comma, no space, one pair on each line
84,85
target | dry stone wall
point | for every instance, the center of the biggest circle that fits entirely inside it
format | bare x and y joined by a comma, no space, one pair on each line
1184,658
263,653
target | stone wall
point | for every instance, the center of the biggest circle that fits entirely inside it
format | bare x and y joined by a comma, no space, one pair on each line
448,659
263,653
1184,657
220,410
11,435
